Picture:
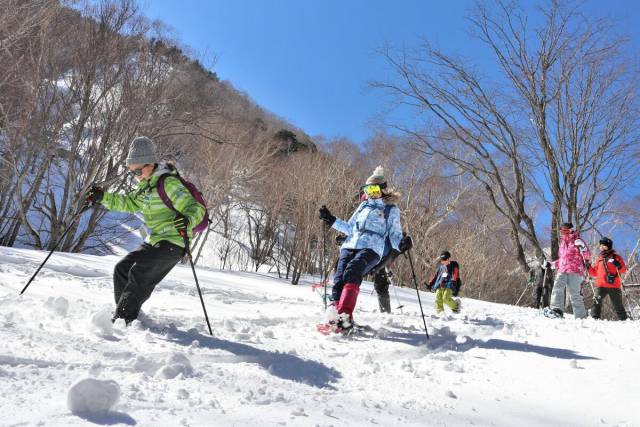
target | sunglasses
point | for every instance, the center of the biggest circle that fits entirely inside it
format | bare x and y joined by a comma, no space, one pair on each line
372,190
138,171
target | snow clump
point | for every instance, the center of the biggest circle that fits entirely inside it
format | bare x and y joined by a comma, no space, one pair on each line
90,396
175,365
101,322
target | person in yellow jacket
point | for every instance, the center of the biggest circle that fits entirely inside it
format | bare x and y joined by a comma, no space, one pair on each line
137,274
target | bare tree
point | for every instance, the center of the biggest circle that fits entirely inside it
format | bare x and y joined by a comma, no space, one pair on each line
580,91
560,105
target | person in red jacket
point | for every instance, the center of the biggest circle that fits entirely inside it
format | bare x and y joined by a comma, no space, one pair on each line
606,270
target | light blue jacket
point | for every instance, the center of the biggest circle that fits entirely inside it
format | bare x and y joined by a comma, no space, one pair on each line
367,228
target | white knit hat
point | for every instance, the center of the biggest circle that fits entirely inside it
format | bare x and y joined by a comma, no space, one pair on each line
377,177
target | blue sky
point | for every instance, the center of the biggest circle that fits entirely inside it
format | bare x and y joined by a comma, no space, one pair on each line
310,61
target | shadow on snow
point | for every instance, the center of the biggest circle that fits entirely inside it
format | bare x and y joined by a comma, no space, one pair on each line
282,365
445,340
110,418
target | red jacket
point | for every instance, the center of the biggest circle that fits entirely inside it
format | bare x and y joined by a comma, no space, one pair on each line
602,267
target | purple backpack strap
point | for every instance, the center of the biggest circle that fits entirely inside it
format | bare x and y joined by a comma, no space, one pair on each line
163,194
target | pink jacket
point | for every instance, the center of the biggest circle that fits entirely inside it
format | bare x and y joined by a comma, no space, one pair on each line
570,260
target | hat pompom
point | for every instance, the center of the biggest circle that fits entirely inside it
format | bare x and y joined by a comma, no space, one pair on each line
377,177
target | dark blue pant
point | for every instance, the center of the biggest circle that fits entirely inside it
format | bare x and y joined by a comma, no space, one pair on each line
352,266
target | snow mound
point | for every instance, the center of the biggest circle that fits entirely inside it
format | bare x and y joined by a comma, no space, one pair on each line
143,365
59,305
175,365
90,396
101,322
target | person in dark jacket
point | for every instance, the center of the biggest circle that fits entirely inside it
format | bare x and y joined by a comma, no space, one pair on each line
382,273
543,284
445,282
606,270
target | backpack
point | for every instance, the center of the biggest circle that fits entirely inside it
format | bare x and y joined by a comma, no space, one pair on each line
197,195
458,283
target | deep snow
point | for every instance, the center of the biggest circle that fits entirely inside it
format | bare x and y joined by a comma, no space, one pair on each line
266,365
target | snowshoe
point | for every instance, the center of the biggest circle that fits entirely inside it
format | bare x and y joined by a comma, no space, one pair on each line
342,325
328,328
353,329
552,313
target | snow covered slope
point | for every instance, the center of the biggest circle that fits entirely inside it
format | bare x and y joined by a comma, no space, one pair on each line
266,364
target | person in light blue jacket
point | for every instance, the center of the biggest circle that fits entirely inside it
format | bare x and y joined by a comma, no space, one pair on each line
372,231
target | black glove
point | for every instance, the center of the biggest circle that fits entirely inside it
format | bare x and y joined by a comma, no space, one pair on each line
405,244
340,239
94,195
454,292
181,222
326,216
616,263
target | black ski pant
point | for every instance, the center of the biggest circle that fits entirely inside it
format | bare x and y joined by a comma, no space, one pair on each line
616,300
538,297
543,291
381,285
138,273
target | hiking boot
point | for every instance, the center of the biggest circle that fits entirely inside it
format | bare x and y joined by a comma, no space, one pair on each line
458,305
553,313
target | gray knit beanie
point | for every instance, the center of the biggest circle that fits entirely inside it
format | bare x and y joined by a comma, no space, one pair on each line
142,151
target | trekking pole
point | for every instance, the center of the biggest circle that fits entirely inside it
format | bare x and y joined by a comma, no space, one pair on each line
322,262
395,290
183,233
523,292
588,276
77,216
415,282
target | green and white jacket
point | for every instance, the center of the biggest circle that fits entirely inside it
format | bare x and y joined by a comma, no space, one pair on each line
157,216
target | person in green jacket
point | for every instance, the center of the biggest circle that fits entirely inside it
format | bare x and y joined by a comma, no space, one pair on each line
137,274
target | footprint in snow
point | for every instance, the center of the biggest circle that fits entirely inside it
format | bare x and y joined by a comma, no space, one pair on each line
299,412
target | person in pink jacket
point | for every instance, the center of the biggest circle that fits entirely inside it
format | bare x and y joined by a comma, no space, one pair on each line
574,255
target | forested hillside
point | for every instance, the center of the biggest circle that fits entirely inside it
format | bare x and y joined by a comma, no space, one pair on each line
488,170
